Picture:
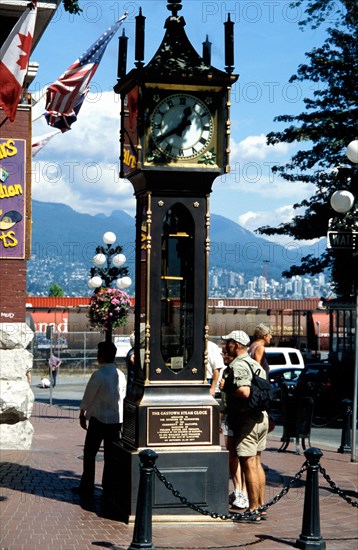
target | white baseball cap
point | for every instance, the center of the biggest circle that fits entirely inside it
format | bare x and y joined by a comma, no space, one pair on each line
238,336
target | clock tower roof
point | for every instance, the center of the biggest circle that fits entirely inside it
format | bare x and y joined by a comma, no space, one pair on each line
177,58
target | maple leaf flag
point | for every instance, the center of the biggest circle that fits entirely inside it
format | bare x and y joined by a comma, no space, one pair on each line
14,58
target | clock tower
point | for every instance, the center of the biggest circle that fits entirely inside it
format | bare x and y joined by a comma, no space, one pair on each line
175,130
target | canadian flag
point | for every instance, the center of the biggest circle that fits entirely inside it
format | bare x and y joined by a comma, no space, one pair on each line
14,58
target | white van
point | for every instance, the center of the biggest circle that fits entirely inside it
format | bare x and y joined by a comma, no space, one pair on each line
282,358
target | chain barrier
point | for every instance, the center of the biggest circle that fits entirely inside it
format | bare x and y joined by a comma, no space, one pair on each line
264,507
236,516
329,422
336,489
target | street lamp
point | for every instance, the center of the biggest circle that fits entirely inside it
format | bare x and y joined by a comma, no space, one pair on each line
104,274
342,201
108,270
318,324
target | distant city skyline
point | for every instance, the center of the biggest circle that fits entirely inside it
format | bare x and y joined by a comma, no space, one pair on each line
223,283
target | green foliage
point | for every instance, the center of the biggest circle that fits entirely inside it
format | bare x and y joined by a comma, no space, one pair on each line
55,290
326,127
72,6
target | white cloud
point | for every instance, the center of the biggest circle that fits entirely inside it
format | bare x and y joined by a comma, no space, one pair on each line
251,220
256,148
256,179
81,167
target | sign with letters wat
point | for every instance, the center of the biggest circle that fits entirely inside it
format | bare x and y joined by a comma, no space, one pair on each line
12,198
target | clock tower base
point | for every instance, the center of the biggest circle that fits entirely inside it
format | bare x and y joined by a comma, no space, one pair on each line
201,476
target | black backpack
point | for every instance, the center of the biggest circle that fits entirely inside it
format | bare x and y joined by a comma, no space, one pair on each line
261,393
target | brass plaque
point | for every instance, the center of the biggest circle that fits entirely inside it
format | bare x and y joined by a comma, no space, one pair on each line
179,426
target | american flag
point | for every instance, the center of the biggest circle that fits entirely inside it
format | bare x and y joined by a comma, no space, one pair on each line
39,143
64,97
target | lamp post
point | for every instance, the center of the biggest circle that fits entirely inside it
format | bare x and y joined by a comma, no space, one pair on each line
318,324
108,269
342,201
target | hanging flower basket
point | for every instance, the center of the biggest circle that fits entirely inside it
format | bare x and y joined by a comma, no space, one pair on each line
108,309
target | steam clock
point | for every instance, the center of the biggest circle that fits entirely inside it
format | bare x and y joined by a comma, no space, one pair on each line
175,130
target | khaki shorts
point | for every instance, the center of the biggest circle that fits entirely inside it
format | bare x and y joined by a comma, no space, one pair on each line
251,437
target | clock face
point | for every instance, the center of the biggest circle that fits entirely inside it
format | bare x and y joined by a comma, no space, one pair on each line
181,126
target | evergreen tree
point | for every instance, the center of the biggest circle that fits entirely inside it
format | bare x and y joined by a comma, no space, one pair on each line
72,6
326,127
56,290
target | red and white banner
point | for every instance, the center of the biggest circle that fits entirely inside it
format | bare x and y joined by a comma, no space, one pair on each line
14,59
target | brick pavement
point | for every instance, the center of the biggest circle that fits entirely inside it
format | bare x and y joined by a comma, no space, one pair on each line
39,511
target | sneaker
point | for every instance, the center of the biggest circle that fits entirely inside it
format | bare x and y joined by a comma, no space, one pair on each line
232,497
240,502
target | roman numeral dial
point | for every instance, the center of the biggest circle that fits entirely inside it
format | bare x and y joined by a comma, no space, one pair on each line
182,127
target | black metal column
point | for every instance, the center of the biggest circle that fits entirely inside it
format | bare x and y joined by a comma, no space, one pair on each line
142,535
345,446
310,538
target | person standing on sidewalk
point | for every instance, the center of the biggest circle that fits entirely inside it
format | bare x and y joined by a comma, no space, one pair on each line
262,338
238,498
54,364
215,366
250,427
101,415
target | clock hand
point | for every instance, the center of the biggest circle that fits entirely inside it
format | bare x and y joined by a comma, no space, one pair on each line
167,134
185,122
178,130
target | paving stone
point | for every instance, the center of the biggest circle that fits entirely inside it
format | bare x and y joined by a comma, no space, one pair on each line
39,511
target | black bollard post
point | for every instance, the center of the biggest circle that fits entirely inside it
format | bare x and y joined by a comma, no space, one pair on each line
142,535
345,446
310,538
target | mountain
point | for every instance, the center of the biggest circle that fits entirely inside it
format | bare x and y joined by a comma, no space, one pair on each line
64,243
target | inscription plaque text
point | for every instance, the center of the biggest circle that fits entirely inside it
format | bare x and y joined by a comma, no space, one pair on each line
179,426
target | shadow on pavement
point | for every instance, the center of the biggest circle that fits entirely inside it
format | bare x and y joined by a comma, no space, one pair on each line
53,485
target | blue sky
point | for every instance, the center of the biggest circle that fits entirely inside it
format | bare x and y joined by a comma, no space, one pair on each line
80,167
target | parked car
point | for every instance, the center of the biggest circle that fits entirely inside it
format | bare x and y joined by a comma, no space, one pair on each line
283,358
329,384
279,377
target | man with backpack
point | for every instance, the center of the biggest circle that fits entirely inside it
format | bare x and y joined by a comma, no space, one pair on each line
247,397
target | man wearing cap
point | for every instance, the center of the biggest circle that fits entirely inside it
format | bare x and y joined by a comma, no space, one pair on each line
250,427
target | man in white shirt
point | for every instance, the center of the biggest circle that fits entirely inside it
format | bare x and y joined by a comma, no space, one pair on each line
101,414
215,366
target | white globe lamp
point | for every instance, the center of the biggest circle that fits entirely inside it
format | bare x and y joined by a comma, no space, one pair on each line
95,282
342,201
109,237
118,260
352,151
124,282
99,259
